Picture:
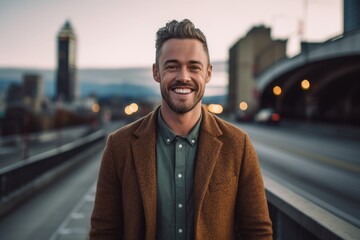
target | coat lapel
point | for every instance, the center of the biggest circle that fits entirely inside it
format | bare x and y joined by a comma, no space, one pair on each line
207,156
143,150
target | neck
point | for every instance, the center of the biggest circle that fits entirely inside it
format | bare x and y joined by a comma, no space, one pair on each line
181,124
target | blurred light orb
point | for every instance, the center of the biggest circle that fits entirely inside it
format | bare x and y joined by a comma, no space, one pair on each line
243,106
134,107
305,84
95,108
277,90
215,108
128,110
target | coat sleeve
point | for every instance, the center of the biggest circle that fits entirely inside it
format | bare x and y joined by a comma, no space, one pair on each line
252,214
107,216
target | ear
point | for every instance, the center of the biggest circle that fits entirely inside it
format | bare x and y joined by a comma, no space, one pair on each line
156,74
209,74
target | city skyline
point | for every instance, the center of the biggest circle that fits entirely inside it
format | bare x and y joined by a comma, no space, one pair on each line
122,34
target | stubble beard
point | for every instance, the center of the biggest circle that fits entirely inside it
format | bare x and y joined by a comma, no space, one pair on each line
181,108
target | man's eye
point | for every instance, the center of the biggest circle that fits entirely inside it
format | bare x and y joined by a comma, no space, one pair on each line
195,68
170,67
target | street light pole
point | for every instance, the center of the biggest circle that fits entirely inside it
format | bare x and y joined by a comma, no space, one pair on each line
304,28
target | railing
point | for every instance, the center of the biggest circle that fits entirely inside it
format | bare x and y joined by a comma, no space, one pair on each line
18,180
24,143
297,218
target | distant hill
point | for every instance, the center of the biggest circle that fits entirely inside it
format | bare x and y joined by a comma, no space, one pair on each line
99,81
131,82
124,89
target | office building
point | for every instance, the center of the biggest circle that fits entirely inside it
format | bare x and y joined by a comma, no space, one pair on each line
247,58
14,94
66,82
33,91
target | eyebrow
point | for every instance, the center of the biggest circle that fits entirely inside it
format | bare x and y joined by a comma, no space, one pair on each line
176,61
196,62
171,61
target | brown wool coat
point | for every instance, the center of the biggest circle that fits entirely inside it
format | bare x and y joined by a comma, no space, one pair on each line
229,196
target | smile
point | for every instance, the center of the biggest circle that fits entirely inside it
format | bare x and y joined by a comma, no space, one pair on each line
182,90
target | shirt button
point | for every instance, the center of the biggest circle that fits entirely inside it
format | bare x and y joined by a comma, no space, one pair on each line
180,205
180,145
180,230
168,140
193,141
179,175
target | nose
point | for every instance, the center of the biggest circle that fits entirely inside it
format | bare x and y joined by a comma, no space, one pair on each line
183,75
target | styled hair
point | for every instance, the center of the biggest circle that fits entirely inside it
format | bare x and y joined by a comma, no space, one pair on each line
179,30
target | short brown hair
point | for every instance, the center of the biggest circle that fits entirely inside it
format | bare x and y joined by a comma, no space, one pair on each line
179,30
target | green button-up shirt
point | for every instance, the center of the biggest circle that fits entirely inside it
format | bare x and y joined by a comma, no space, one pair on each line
175,164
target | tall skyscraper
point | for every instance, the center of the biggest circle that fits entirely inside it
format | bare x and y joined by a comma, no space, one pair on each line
66,83
351,15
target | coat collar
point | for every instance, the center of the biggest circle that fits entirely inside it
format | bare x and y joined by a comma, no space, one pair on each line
144,152
207,156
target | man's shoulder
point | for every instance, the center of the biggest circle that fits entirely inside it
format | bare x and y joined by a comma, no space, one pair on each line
128,128
229,128
132,128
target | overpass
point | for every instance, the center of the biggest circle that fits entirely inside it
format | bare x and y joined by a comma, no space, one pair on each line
332,68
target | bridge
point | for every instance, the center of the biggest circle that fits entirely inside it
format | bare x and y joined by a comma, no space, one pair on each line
332,71
311,180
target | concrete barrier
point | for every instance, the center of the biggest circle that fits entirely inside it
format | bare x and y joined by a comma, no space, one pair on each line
22,180
297,218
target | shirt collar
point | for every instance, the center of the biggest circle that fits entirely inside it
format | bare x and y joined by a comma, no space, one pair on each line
168,135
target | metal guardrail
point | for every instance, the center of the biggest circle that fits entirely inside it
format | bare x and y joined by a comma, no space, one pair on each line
19,174
297,218
29,144
50,135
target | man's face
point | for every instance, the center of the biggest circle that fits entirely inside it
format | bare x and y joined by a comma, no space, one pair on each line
182,71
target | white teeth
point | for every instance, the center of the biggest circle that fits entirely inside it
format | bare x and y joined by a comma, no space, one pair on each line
182,90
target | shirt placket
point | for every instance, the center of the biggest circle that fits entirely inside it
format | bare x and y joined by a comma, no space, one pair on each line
180,187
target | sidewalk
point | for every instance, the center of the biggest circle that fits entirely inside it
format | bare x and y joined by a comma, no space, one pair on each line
77,224
326,129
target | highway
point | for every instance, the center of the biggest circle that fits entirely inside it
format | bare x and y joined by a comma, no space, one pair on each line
321,168
19,147
45,215
324,169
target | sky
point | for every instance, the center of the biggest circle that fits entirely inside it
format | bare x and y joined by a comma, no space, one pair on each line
121,33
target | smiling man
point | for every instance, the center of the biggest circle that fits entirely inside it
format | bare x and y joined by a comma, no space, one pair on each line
180,172
183,70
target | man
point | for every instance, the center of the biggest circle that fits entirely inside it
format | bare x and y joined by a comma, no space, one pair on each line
180,172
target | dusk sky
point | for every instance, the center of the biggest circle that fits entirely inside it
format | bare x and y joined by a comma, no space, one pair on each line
119,33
